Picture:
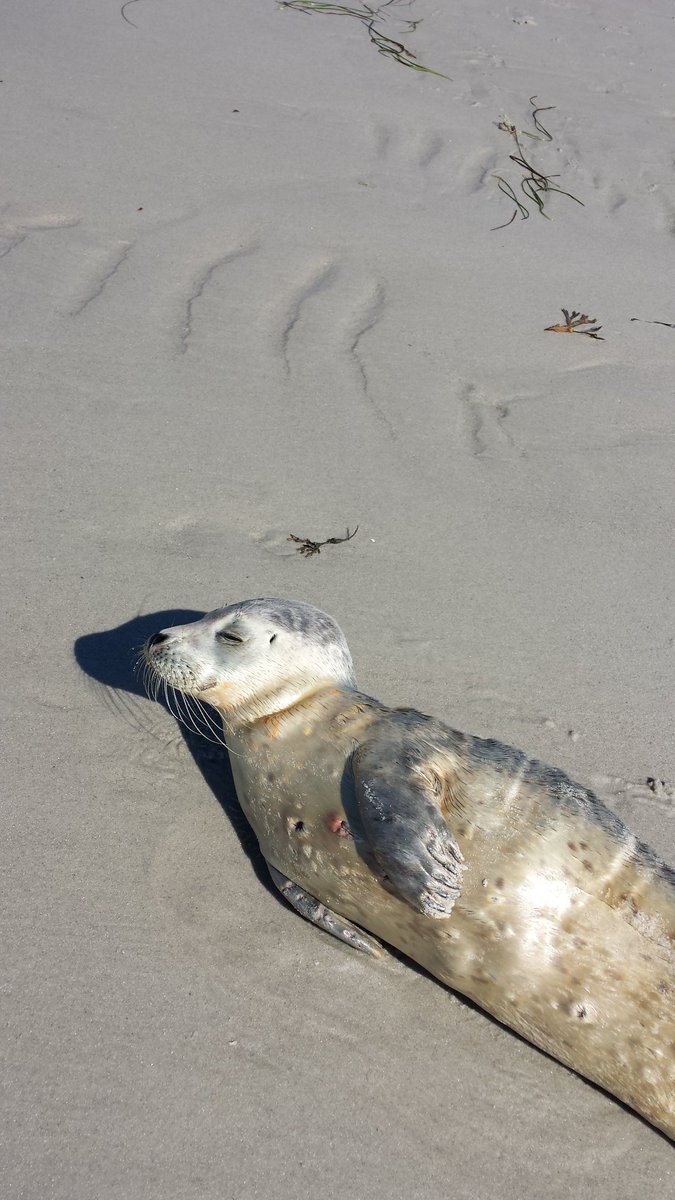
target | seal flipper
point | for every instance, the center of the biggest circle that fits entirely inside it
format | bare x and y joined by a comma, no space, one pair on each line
407,831
325,918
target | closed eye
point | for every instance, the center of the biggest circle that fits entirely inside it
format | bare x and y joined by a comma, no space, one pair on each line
229,636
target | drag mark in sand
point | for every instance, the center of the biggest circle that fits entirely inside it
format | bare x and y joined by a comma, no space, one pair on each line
474,421
369,318
483,421
477,169
16,232
429,147
98,287
319,280
621,794
13,243
411,155
202,282
124,15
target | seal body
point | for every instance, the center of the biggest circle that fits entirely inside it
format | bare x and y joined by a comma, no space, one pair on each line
541,907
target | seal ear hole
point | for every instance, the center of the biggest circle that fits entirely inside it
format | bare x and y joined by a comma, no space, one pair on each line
272,638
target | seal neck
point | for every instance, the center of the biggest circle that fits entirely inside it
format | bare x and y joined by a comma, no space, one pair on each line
282,704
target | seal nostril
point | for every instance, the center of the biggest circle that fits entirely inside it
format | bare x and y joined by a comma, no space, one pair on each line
157,639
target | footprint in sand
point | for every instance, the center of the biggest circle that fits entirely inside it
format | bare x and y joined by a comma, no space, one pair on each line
415,161
484,425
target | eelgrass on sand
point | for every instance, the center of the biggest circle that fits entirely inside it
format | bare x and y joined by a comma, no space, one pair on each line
371,19
534,184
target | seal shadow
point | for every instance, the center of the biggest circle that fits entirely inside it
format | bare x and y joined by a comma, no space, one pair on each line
109,657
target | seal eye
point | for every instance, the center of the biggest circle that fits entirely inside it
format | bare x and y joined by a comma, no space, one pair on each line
229,636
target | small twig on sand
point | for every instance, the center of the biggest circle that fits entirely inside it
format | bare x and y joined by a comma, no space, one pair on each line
668,324
308,548
573,321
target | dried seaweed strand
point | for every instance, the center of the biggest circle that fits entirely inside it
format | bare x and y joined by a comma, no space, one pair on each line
308,548
668,324
534,184
538,125
368,17
573,321
505,187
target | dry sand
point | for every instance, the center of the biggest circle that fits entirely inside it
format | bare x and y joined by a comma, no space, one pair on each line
250,287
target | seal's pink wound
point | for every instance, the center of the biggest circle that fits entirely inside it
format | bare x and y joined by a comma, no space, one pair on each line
338,827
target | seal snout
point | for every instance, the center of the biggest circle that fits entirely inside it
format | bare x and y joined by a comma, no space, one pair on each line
175,657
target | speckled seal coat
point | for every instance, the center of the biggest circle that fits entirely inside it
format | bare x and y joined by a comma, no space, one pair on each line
501,876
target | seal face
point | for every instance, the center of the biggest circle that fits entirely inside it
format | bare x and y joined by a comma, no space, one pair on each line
498,874
249,657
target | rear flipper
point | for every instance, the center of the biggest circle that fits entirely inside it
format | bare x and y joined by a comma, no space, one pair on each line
319,915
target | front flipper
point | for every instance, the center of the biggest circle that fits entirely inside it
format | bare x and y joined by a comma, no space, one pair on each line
319,915
407,832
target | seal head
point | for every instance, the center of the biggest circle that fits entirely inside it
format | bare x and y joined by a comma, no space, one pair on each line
253,658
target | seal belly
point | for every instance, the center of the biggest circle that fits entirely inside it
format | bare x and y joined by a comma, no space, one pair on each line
569,974
525,941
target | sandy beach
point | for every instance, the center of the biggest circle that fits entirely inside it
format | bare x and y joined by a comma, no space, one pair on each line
252,287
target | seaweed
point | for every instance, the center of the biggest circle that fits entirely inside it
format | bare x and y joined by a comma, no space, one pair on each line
370,18
573,321
308,548
534,184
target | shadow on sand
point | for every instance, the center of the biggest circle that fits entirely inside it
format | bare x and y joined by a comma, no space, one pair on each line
110,657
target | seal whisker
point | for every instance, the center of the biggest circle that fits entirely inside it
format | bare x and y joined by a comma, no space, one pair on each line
168,701
148,677
145,676
204,715
219,732
191,721
177,703
180,712
152,684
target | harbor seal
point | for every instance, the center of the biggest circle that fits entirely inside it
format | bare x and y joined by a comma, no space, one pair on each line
501,876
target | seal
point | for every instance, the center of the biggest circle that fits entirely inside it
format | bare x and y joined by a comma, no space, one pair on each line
499,875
